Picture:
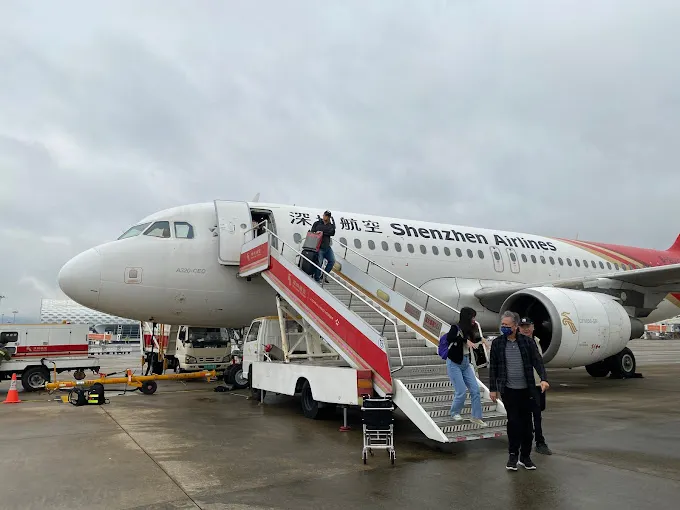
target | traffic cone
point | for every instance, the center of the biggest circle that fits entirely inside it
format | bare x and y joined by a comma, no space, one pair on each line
12,394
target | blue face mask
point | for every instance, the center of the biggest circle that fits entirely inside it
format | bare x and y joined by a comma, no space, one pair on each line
506,330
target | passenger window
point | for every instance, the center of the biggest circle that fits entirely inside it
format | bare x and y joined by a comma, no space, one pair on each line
480,253
184,230
342,240
435,250
578,264
410,248
469,252
371,245
357,244
458,252
159,229
512,257
134,231
569,262
253,331
423,250
397,247
559,259
601,265
385,246
542,259
496,255
533,259
593,264
552,261
585,263
447,252
609,265
297,238
524,258
616,266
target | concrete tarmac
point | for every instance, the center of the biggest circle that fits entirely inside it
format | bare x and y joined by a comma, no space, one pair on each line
615,446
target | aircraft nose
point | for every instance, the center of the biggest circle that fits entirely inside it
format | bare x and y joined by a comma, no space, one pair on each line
80,278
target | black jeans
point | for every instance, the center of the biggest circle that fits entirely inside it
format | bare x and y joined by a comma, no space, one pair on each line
519,406
538,429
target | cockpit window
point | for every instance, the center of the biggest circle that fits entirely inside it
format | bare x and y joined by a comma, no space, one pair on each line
183,230
159,229
134,231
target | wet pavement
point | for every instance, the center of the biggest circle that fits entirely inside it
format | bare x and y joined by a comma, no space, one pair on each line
615,446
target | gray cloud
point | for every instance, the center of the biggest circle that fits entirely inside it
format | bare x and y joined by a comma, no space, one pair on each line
527,116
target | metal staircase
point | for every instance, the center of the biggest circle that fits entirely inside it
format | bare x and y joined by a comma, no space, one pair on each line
371,325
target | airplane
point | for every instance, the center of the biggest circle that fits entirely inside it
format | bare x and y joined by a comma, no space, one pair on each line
180,265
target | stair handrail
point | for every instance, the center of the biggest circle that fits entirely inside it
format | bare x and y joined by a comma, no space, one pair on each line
428,296
351,291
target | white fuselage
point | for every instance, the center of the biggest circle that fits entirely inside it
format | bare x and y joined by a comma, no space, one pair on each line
180,281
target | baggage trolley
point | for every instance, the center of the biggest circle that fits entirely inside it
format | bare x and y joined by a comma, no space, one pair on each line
378,426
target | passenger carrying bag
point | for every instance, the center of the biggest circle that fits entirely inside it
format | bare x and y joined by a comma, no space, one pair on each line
312,241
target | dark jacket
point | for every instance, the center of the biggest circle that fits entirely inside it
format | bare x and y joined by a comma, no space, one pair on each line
498,373
456,344
328,231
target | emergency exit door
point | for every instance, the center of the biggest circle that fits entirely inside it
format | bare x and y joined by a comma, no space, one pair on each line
234,225
497,258
514,261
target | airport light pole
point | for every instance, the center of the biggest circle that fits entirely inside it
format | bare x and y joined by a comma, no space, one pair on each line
15,312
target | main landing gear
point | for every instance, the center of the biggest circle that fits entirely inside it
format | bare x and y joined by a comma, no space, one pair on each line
620,366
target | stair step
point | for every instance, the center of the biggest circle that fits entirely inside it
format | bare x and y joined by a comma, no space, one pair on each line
419,360
443,409
466,426
411,351
447,420
417,370
403,335
404,342
477,433
423,381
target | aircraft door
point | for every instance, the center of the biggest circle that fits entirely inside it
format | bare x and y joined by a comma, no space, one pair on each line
233,220
514,261
497,258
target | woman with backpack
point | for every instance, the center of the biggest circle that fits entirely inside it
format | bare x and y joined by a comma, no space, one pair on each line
460,340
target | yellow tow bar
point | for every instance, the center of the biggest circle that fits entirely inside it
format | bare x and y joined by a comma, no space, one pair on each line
137,381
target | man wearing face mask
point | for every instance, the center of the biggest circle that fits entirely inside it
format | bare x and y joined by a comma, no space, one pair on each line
513,359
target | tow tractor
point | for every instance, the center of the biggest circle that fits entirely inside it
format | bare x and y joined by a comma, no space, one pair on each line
35,351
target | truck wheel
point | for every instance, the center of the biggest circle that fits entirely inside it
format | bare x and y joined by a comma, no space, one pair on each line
148,387
34,378
79,375
229,375
240,382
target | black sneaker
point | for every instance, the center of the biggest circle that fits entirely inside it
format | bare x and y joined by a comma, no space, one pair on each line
527,463
512,462
543,449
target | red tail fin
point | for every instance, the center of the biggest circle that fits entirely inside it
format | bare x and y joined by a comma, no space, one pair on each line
676,245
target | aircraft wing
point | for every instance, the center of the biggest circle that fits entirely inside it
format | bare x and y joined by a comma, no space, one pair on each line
659,280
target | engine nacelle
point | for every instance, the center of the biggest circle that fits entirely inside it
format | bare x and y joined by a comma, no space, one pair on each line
576,328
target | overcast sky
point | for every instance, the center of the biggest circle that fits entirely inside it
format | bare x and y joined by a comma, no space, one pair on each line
441,110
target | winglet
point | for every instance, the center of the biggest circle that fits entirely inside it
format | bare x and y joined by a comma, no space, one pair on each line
676,245
256,199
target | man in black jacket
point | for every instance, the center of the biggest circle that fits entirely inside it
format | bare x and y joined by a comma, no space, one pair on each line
511,375
325,226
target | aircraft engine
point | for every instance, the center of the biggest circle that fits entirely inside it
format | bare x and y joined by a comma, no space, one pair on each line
576,328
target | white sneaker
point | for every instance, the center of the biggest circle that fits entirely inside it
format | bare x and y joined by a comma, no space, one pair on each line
457,417
479,422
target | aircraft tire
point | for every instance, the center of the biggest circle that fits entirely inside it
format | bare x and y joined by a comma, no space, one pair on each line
623,364
599,369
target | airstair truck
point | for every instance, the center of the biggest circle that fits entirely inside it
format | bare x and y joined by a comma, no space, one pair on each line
35,351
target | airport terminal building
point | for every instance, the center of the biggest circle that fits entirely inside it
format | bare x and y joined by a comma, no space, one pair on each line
60,310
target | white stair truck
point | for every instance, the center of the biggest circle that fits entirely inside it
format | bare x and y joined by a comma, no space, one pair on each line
35,351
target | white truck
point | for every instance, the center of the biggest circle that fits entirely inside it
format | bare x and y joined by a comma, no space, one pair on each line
293,359
186,348
35,351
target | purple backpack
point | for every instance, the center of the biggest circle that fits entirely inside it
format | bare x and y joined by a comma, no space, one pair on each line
443,348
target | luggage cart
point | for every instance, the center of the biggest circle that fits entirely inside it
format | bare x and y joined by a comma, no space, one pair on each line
378,426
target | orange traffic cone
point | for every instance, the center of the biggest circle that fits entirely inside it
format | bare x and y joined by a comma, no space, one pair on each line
12,394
